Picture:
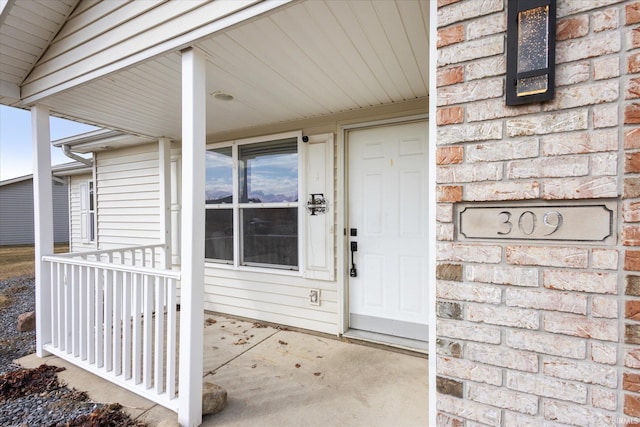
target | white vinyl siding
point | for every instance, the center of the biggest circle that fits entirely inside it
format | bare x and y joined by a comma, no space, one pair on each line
97,34
282,297
127,197
271,298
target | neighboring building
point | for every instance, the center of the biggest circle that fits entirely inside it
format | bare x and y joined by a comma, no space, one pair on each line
16,208
347,167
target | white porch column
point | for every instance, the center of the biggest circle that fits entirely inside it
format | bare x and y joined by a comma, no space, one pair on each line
43,218
164,162
192,242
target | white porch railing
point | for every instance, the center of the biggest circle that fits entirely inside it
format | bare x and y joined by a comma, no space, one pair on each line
115,314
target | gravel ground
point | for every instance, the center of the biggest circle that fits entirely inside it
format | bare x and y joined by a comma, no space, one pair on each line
20,298
46,403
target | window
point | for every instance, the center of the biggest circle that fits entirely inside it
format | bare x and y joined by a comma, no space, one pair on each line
92,214
252,204
87,212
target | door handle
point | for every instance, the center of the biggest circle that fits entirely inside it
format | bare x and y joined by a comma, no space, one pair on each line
353,272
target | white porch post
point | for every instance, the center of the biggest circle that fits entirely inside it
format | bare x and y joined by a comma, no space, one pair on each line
164,152
192,282
43,218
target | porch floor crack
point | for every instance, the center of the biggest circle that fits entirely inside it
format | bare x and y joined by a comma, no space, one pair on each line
244,351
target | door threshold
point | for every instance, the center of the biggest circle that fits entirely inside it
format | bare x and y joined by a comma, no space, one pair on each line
409,344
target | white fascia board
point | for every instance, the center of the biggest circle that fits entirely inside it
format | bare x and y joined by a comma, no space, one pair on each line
71,168
94,135
177,43
100,139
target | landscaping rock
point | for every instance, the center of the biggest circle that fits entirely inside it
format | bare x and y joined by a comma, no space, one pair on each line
214,398
27,321
35,397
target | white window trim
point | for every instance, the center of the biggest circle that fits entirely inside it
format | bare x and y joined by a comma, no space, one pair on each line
88,217
91,223
237,266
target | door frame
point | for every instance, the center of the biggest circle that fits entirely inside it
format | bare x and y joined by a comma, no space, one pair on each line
343,215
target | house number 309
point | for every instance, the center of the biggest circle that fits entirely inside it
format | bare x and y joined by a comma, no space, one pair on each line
527,223
569,223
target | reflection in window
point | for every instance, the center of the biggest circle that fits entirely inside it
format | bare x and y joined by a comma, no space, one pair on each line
219,176
268,172
270,236
218,244
265,203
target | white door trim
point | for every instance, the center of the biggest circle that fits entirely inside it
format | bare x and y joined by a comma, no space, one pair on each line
341,243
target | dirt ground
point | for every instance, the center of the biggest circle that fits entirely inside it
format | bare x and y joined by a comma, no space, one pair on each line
19,260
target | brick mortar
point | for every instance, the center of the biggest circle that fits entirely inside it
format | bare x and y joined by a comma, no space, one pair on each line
596,109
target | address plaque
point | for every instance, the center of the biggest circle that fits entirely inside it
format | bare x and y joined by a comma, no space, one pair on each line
561,222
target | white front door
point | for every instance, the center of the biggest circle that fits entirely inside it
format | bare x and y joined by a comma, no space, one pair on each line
387,204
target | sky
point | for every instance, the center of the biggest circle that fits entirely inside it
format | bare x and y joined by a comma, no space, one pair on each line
16,148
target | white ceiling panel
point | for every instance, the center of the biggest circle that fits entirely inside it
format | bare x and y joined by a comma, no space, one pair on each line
307,59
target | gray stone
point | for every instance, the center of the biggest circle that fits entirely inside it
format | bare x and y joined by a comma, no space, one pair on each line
27,321
214,398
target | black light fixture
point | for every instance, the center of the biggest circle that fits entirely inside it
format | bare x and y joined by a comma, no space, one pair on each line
531,51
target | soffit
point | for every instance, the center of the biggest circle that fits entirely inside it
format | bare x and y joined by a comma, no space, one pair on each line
306,59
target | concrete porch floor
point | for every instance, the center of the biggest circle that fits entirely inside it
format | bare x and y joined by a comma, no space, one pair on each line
277,377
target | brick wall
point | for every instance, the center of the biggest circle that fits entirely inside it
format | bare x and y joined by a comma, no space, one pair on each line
534,334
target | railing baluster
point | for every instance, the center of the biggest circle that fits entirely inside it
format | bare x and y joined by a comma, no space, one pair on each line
117,322
100,276
159,340
91,314
147,346
55,304
171,338
126,325
62,316
137,328
75,310
108,321
143,258
68,342
82,300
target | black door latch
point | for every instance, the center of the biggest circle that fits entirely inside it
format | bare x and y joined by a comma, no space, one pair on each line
354,248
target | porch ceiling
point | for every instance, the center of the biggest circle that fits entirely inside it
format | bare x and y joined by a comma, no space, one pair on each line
305,59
